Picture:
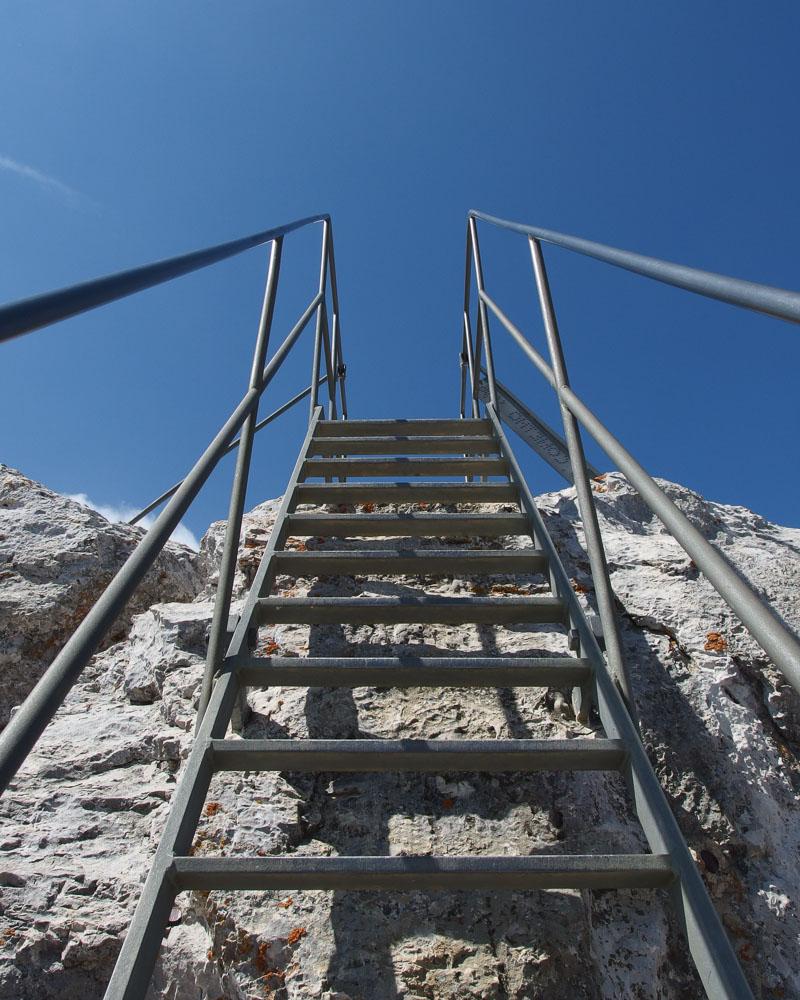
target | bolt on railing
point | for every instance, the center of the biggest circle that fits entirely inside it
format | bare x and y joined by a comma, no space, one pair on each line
30,720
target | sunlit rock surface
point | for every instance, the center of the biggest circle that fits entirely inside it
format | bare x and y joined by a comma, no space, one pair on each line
82,820
56,558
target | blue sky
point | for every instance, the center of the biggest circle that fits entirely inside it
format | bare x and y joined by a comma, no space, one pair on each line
133,131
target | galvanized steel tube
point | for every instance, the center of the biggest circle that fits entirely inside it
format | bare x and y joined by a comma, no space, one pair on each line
336,336
323,274
758,617
767,299
483,319
233,528
760,620
42,310
24,729
583,491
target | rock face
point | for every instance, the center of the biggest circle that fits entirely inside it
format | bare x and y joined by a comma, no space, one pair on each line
256,527
56,558
83,818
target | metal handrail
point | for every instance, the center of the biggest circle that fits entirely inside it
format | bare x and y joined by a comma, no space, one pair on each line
767,299
30,720
30,314
763,623
709,946
713,956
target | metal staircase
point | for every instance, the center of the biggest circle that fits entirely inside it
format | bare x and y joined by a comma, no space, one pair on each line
451,462
463,448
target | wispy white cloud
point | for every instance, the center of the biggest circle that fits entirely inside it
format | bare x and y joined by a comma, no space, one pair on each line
124,512
47,182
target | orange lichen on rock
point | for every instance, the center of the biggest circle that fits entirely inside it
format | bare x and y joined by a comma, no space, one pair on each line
295,934
715,643
212,808
261,959
285,903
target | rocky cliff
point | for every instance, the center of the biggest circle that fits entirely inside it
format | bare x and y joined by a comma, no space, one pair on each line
56,558
82,820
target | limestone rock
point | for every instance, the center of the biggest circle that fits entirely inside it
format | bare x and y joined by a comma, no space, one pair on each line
56,558
82,820
256,528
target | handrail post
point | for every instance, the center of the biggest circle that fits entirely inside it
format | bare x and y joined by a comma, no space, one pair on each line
230,551
332,332
335,352
583,489
463,367
326,343
476,353
323,275
467,347
483,320
336,331
341,374
474,374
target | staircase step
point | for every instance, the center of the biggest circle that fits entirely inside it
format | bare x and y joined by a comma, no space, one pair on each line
411,671
421,756
404,466
388,428
405,445
322,493
410,562
416,524
539,871
394,610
